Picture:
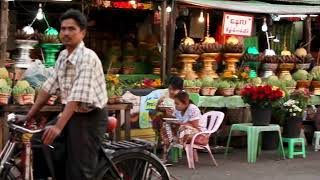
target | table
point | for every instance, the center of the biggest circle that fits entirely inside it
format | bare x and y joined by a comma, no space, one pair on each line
126,107
254,138
230,101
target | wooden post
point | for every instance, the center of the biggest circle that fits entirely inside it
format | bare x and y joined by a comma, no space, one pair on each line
307,34
3,30
163,39
172,31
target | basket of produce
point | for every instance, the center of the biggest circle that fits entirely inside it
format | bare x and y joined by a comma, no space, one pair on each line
23,93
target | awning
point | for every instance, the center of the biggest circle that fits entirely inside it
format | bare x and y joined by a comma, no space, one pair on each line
255,7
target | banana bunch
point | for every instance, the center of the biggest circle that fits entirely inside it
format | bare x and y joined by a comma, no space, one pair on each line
189,49
271,59
22,35
288,59
253,58
211,47
233,48
49,39
305,59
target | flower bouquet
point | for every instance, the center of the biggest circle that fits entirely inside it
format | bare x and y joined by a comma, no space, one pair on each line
294,108
261,98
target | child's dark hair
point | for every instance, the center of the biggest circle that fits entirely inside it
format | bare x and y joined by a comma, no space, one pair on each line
183,97
176,83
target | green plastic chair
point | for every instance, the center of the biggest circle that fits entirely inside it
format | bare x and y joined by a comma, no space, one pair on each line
254,139
291,151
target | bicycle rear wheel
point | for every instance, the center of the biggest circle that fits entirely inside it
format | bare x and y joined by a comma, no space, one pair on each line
141,165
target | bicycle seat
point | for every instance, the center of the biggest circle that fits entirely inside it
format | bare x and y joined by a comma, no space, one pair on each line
112,124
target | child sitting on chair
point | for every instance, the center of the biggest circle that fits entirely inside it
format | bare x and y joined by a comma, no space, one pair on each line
189,117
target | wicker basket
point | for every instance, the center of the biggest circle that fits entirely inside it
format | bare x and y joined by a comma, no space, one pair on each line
226,92
208,91
128,70
114,99
192,89
4,98
24,99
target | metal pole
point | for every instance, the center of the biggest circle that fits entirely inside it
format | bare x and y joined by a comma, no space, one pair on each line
4,11
172,32
163,37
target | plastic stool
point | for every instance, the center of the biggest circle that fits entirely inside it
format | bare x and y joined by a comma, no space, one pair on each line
174,154
316,140
291,152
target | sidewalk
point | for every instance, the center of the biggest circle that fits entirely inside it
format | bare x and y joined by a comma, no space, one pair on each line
235,167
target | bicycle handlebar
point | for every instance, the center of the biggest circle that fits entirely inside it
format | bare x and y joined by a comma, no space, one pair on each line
11,119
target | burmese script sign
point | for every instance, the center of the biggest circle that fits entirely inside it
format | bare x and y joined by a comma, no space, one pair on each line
237,24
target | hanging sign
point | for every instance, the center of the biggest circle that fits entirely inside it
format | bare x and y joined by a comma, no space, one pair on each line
237,24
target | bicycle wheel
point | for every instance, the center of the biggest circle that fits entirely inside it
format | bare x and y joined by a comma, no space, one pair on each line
141,165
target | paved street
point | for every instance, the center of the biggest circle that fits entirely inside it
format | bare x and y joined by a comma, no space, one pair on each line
268,167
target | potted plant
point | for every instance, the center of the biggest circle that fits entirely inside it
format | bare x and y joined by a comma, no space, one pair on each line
115,67
226,88
261,98
290,85
303,79
128,67
294,108
114,89
5,92
129,53
192,86
23,93
239,86
315,82
209,87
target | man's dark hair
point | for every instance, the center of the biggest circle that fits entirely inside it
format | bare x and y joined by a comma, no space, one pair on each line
77,16
176,82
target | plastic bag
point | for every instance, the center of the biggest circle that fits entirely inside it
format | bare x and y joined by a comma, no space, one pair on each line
37,74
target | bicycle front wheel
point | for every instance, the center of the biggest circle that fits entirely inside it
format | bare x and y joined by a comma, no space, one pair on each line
141,165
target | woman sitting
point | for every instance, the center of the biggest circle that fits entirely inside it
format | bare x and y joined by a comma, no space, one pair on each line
189,121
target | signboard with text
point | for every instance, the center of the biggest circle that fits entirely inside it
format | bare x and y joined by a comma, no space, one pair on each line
237,24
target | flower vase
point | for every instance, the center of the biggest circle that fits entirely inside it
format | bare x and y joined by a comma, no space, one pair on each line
231,60
269,69
24,47
303,84
292,127
285,69
208,69
260,116
50,50
187,71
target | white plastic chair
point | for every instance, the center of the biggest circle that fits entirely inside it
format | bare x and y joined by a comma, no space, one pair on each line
214,120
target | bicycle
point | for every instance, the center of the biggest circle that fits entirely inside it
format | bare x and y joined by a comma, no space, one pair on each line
116,162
